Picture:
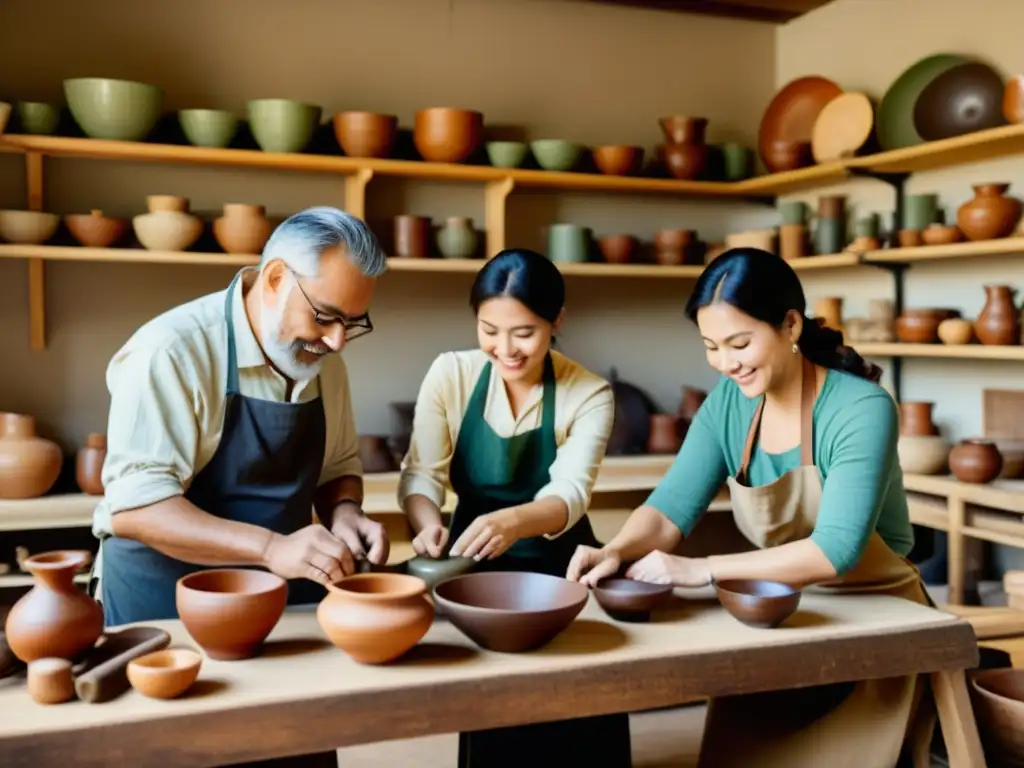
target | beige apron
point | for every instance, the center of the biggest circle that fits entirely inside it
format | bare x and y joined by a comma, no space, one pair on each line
849,725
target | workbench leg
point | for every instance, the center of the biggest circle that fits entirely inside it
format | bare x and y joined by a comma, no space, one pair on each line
956,716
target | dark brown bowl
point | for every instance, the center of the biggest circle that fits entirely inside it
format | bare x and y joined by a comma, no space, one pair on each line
510,612
758,602
618,160
230,611
630,600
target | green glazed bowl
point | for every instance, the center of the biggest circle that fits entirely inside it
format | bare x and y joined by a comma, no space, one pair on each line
208,127
122,110
283,125
37,118
555,154
506,154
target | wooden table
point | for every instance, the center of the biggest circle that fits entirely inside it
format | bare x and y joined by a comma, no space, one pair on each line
303,695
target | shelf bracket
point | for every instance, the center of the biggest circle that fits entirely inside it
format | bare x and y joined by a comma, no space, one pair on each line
355,192
36,267
495,196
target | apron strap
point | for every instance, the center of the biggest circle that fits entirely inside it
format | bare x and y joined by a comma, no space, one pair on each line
807,397
232,382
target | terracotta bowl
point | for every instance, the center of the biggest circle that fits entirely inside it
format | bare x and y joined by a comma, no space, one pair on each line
447,135
941,234
782,155
27,227
998,696
164,674
511,612
617,249
618,160
917,329
365,134
757,602
629,600
229,612
94,230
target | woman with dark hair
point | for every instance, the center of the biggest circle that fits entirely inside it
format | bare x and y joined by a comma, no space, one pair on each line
517,431
805,438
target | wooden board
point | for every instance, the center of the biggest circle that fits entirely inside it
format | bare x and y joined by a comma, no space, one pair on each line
304,695
1003,413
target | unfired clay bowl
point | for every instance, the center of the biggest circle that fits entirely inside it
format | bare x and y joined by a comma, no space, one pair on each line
510,612
164,674
229,612
27,227
630,600
167,230
758,602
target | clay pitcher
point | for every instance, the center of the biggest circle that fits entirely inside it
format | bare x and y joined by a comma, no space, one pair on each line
29,465
686,153
242,229
916,418
999,321
89,464
55,619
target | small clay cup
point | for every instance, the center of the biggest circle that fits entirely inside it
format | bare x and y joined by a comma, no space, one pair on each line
617,249
164,674
758,602
618,160
630,600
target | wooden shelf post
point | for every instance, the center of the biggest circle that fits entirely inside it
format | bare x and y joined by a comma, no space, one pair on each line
355,192
495,195
36,270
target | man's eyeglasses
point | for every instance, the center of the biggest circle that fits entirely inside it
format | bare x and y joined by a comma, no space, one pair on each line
354,326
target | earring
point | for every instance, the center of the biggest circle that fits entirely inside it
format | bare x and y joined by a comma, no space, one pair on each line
795,348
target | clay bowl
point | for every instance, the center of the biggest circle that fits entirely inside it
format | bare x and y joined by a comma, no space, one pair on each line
629,600
617,249
894,121
758,602
506,154
790,117
917,329
956,330
940,234
783,155
447,135
122,110
282,125
998,696
923,454
164,674
214,128
435,570
964,99
229,612
94,230
555,154
618,160
365,134
27,227
511,612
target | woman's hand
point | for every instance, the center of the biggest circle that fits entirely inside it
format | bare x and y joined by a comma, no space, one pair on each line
589,565
430,541
662,568
487,537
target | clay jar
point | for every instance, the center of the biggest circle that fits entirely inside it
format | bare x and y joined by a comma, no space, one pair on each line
242,229
989,214
999,321
376,617
89,464
168,226
975,461
29,465
663,437
412,237
916,418
671,246
94,230
457,239
54,619
686,153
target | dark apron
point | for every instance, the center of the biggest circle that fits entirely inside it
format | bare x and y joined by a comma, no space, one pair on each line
489,472
264,472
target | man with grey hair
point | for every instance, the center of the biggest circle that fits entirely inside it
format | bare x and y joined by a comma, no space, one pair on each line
231,421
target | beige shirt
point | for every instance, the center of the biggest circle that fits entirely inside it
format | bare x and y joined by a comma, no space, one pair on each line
584,412
167,388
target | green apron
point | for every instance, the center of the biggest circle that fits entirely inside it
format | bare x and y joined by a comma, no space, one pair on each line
488,473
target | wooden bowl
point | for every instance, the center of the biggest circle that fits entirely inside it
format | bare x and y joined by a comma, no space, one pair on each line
511,612
618,160
230,611
758,602
630,600
164,674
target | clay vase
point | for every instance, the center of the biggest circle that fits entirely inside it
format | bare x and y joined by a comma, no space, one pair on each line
916,419
55,619
989,214
663,437
29,464
94,230
457,239
686,153
242,229
168,226
376,617
999,321
89,464
975,461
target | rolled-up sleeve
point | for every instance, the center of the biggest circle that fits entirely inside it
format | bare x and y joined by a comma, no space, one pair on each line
579,458
425,467
152,431
341,457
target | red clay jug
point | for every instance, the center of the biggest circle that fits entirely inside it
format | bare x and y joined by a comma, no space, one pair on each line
999,321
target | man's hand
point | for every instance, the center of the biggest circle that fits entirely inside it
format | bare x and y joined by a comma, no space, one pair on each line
312,553
365,538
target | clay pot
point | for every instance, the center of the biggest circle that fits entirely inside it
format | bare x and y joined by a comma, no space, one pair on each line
629,600
671,246
617,249
55,619
164,674
940,234
365,134
89,464
921,326
956,330
412,237
29,465
922,454
916,418
168,226
998,699
975,461
832,207
376,617
782,155
28,227
94,230
618,160
663,437
686,153
990,214
830,310
909,238
1013,100
757,602
242,229
457,239
445,135
999,321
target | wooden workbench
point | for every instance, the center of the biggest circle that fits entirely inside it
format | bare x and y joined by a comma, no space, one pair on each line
303,695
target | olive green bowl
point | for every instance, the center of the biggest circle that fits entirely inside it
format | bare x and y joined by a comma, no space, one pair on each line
506,154
283,125
105,108
208,127
555,154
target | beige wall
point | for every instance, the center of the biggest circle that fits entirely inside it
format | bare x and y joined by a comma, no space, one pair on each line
592,73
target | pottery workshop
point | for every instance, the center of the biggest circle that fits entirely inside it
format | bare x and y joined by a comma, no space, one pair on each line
606,383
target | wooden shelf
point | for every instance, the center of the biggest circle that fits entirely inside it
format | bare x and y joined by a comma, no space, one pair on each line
960,150
956,351
1004,495
981,248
